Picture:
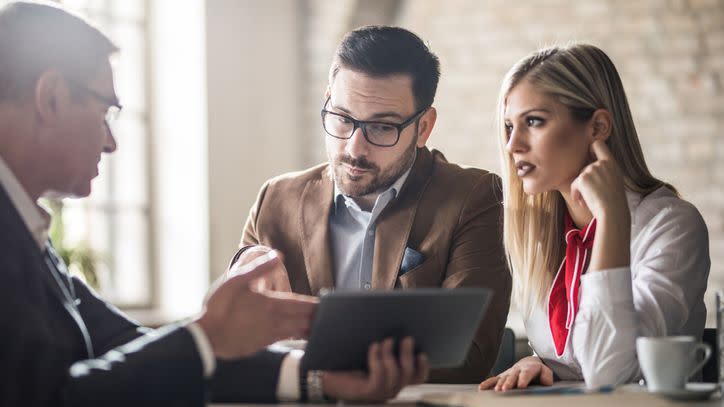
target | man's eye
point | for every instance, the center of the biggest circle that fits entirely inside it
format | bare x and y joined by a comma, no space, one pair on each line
381,127
344,119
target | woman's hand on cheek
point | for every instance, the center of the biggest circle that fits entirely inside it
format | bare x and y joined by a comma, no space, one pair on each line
600,186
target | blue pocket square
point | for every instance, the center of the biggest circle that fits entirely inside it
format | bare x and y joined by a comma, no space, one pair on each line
410,260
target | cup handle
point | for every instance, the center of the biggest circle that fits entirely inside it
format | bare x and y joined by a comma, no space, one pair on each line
707,354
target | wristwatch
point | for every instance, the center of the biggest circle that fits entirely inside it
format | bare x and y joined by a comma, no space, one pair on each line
310,386
315,393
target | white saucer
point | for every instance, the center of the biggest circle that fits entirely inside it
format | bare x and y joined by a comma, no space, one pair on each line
693,391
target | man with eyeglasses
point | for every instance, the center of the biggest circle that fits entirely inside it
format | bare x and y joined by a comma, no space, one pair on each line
60,344
385,212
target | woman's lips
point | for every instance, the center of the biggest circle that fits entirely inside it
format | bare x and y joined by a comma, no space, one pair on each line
524,168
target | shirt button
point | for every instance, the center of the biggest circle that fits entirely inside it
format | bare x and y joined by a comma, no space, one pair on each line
367,286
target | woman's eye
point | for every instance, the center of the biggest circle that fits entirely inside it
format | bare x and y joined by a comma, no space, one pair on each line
534,121
508,128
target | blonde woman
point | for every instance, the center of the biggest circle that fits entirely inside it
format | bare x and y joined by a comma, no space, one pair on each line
601,251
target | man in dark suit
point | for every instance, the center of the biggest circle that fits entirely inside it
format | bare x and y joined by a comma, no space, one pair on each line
386,212
62,345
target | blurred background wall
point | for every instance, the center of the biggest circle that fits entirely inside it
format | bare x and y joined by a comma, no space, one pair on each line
669,53
235,89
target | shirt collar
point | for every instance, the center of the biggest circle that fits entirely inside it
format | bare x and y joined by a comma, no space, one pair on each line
395,188
36,219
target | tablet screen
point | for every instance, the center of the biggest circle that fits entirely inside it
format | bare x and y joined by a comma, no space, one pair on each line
442,321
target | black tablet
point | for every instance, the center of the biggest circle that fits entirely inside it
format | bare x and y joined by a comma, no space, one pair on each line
442,322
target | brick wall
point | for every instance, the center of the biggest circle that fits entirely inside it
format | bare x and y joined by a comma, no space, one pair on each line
670,54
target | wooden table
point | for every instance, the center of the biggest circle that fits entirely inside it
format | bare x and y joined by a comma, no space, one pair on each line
468,396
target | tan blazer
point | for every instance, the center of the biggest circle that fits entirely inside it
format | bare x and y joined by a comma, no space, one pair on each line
453,216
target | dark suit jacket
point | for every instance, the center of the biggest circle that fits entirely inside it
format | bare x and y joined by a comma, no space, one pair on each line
55,353
451,215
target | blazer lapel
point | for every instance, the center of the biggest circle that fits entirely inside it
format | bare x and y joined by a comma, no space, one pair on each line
395,222
18,228
316,204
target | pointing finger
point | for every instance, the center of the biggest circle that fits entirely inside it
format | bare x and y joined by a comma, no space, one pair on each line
242,276
600,150
257,267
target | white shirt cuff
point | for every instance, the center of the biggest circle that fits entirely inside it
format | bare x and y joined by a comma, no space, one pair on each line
288,384
204,347
606,287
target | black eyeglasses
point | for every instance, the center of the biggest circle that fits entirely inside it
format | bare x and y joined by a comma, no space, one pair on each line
114,107
380,134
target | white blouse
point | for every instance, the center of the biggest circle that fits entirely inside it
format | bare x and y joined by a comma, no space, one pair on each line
661,293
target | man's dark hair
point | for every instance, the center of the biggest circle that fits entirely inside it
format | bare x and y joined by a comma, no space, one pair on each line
37,37
381,51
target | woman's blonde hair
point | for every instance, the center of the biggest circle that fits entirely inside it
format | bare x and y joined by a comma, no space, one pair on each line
583,79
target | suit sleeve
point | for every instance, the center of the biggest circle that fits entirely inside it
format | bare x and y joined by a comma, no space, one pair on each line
135,366
107,325
252,380
477,259
160,367
250,236
41,366
173,352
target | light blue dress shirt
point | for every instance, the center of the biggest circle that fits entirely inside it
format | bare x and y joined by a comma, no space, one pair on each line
352,233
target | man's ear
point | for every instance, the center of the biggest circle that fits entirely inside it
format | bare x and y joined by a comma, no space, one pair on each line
601,124
424,128
51,93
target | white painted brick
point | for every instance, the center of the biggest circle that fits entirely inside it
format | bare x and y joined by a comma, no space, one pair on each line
702,5
711,19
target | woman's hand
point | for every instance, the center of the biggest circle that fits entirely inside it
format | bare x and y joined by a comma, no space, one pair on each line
520,375
600,187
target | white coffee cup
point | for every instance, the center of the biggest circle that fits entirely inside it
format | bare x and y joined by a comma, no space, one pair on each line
667,362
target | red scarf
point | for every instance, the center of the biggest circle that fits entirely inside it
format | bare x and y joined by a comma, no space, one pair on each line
563,297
